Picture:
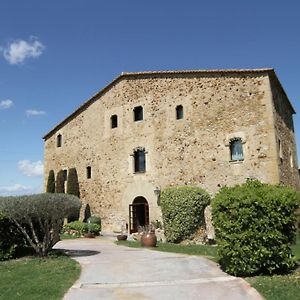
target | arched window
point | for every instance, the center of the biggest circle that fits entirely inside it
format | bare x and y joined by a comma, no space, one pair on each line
114,121
179,112
139,160
59,140
138,113
236,149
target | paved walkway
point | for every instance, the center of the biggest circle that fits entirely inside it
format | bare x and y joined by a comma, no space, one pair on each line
120,273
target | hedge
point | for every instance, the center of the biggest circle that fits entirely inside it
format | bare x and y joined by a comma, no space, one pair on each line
255,226
183,211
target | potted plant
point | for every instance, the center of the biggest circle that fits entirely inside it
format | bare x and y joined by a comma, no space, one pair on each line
148,238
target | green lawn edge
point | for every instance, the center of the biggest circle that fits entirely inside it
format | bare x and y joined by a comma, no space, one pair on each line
37,278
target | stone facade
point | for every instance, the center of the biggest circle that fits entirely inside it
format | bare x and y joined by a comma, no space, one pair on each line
218,106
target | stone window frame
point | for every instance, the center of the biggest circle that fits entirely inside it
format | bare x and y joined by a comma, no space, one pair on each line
59,140
179,112
138,113
134,162
228,142
113,121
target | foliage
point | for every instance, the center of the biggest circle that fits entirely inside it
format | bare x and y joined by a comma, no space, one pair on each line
39,217
80,228
11,238
72,183
36,278
255,226
51,182
94,220
183,211
60,182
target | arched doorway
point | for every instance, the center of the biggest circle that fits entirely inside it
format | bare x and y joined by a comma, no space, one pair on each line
138,214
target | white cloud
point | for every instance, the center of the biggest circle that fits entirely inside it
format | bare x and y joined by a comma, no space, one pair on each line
19,50
31,169
14,189
33,112
5,104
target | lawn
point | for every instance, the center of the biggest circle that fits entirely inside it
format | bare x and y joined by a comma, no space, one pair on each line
278,287
203,250
37,278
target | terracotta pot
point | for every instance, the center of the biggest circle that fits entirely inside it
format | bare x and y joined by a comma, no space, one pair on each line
121,237
149,239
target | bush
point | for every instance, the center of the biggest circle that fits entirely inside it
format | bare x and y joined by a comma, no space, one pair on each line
11,239
255,226
39,217
183,211
80,228
60,182
94,220
51,182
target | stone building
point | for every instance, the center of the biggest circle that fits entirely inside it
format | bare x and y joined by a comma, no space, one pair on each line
146,131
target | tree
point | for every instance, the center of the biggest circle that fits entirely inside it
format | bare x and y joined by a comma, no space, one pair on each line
40,217
60,182
51,182
72,183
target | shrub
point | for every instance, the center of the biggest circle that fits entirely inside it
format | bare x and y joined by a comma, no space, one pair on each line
94,220
11,239
39,217
72,183
80,228
255,225
60,182
183,211
51,182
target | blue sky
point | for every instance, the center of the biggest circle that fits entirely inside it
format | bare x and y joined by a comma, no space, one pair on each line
55,54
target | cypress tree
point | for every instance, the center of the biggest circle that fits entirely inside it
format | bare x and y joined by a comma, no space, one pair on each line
60,182
51,182
72,183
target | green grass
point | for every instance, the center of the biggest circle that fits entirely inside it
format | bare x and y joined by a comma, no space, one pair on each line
203,250
37,278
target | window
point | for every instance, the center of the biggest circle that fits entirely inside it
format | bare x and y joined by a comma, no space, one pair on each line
236,149
280,150
65,175
114,121
179,112
139,160
59,140
88,172
138,113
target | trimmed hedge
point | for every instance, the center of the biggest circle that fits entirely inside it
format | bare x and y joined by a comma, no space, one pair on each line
255,226
80,228
40,217
183,211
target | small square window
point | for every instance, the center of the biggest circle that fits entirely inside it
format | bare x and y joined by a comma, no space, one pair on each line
138,113
88,172
114,121
179,112
59,140
236,149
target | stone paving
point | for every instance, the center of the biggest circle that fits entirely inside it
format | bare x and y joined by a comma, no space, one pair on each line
116,272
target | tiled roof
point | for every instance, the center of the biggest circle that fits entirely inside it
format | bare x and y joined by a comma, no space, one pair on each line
124,75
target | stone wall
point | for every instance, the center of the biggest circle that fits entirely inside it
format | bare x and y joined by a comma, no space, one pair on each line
190,151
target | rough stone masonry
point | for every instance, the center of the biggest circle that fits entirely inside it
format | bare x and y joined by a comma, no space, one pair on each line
146,131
